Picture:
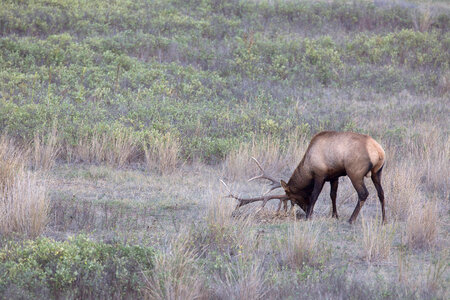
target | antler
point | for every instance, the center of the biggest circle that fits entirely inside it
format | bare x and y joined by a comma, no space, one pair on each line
275,183
245,201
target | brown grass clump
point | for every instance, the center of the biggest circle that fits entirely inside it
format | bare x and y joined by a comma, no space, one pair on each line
269,152
401,183
23,199
116,149
120,149
376,239
162,153
45,151
11,162
435,279
238,163
175,275
226,232
423,18
241,281
301,245
24,206
421,225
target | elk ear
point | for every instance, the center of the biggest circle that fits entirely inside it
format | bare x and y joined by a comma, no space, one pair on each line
284,186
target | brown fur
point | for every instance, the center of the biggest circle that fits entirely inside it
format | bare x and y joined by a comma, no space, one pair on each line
330,155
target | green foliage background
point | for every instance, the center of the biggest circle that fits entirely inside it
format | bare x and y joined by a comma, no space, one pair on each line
214,73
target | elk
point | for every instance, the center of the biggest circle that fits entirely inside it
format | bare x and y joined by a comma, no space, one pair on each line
330,155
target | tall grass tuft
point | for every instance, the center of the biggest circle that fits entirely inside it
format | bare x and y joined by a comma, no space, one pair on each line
300,247
162,153
401,182
24,203
421,225
275,154
239,165
376,239
175,274
45,151
241,281
11,162
115,148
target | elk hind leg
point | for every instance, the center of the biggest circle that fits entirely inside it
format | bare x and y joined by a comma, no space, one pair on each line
376,179
361,189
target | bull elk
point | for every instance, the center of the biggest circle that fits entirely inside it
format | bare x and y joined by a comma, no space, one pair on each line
329,156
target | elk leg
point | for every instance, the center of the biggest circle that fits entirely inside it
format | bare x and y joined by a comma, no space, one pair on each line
361,189
376,179
318,185
333,192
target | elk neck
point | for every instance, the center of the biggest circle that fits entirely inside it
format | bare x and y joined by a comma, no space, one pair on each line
301,178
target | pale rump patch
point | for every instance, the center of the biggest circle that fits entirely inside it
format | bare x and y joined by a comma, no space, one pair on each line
376,155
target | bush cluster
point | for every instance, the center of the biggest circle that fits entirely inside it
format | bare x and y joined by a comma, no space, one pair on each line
77,268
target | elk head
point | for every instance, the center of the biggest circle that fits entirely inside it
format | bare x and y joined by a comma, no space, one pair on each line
296,196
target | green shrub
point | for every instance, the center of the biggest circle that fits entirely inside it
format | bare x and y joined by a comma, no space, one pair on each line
78,268
404,48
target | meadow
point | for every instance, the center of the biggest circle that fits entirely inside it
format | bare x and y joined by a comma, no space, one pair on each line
119,118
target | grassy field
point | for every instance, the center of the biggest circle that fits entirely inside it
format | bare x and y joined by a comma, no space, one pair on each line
118,119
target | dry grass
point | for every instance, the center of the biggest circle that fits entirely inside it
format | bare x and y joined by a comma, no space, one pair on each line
219,210
45,151
11,162
238,164
162,153
268,152
23,199
300,247
401,184
242,276
176,275
241,281
423,17
376,240
436,273
116,149
227,234
421,225
434,163
24,206
121,149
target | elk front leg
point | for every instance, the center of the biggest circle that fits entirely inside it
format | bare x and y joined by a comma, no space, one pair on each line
333,193
318,185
